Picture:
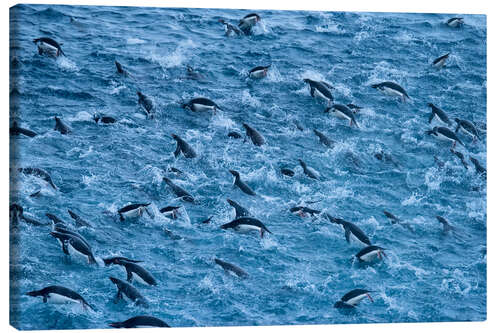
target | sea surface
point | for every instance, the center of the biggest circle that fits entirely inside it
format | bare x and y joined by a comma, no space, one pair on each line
298,272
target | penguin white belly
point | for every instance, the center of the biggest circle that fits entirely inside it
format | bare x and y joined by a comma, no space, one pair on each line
60,299
139,279
319,94
244,228
341,115
436,116
440,63
444,137
259,74
75,253
370,256
134,213
392,92
356,300
467,132
47,48
454,23
203,107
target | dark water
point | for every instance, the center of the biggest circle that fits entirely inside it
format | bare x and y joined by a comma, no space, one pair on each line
299,271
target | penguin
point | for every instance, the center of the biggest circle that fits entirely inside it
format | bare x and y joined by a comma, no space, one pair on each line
254,135
354,108
139,322
309,172
319,89
75,244
37,172
178,191
16,130
439,114
61,126
468,127
350,228
396,220
370,253
239,211
170,211
461,157
324,139
248,22
241,184
60,295
455,22
353,298
440,61
391,88
128,290
259,72
246,224
201,104
120,70
192,74
287,172
234,135
78,220
343,112
479,168
146,103
133,211
103,119
230,268
133,270
446,225
230,29
304,211
446,134
184,147
49,47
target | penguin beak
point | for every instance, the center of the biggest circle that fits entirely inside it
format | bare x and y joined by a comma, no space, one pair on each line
369,297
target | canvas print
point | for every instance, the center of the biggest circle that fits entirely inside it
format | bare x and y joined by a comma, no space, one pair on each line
179,167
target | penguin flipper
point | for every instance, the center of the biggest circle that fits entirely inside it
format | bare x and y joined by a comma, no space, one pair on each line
45,298
177,150
129,276
312,92
431,117
348,235
65,248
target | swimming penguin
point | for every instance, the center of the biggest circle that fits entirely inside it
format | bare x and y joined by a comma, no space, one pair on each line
74,243
440,61
133,270
201,104
370,253
178,191
467,127
61,126
37,172
350,228
258,72
354,108
319,89
246,224
60,295
230,29
56,222
309,172
385,157
184,147
446,225
207,221
120,70
146,103
48,46
193,75
439,114
479,168
396,220
170,211
230,268
391,88
239,211
248,22
241,184
461,157
304,211
287,172
16,130
343,112
103,119
353,298
78,220
128,290
234,135
256,137
455,22
133,211
16,213
139,322
324,139
446,134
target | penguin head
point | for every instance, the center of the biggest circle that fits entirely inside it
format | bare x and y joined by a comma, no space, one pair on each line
307,81
34,293
114,280
140,94
430,105
175,137
302,163
96,117
234,173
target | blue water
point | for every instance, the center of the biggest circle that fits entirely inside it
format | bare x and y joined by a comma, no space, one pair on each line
299,271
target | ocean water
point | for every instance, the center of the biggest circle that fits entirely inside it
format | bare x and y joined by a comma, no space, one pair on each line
298,272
